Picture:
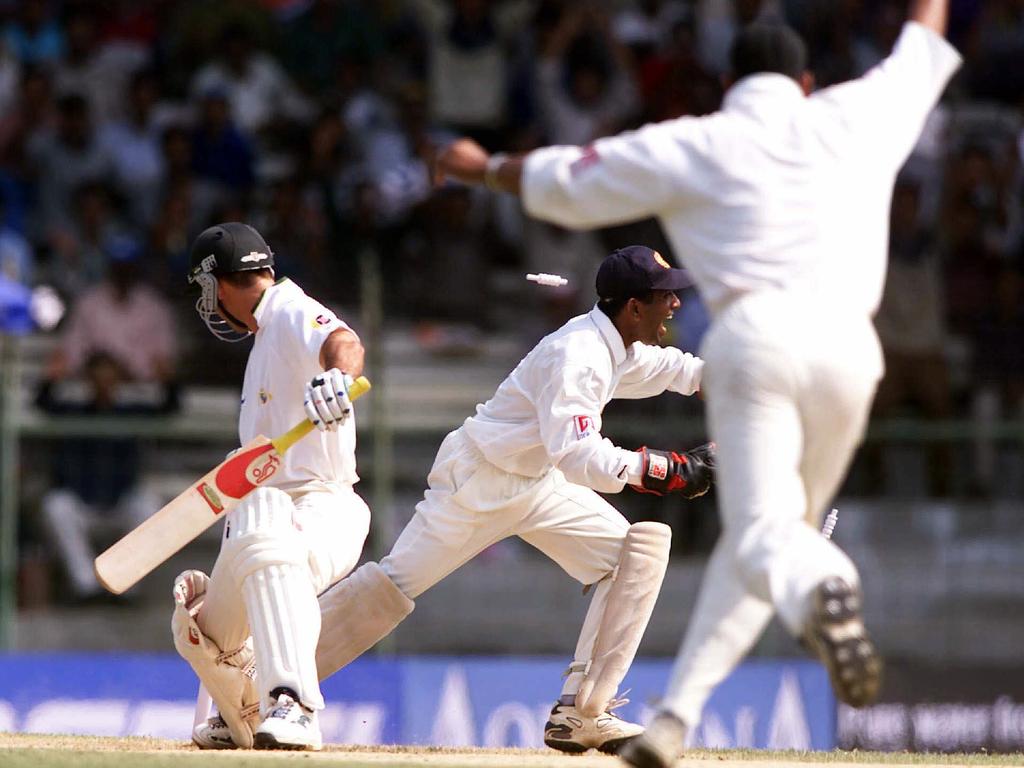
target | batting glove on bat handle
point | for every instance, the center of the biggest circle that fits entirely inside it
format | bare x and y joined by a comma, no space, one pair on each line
326,401
688,473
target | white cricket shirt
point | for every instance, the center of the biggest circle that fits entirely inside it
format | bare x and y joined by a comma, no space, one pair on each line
284,357
547,412
775,191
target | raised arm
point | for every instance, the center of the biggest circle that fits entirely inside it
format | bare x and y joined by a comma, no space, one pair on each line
620,178
933,14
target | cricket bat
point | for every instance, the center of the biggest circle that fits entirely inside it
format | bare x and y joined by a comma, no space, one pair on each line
205,502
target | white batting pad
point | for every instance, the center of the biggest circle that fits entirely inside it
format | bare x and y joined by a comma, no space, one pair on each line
230,678
285,620
357,612
269,560
636,583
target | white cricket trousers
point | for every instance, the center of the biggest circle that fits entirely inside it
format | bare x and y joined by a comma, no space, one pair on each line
332,523
788,389
471,504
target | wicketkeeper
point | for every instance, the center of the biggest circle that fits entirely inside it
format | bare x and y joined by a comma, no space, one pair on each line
298,532
530,463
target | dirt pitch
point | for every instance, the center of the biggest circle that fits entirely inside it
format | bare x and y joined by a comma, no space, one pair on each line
48,751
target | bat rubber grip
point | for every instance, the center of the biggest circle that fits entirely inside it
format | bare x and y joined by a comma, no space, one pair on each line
283,442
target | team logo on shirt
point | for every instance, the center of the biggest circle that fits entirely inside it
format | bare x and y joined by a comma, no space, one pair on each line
661,261
264,396
321,320
587,158
584,426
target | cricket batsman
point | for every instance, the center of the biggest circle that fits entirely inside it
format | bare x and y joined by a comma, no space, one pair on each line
301,530
532,463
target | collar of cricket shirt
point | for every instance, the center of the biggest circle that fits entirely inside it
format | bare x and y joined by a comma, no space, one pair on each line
611,335
280,292
762,92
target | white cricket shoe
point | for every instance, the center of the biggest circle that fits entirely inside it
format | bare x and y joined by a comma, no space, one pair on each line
569,731
289,725
213,734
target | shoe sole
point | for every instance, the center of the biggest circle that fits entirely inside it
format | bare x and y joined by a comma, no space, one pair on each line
268,741
611,747
213,745
640,755
569,747
838,637
615,745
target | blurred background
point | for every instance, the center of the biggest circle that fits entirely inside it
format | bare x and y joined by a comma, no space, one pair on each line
127,127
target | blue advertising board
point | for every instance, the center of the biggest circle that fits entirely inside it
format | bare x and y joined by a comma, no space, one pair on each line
469,701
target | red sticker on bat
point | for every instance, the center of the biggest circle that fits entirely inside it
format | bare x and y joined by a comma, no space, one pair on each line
247,470
211,498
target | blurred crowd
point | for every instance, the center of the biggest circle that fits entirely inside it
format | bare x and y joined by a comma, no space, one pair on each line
128,126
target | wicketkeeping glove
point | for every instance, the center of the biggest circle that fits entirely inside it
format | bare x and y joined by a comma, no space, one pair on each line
689,473
326,400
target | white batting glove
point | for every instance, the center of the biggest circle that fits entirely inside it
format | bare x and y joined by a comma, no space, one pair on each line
326,400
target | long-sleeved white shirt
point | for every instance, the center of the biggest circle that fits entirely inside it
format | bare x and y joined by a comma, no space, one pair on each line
547,412
284,356
775,191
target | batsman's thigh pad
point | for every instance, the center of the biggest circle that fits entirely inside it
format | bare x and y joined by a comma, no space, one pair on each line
334,523
356,613
260,532
229,676
636,582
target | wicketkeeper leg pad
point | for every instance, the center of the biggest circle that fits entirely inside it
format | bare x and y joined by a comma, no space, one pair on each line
270,562
636,582
356,613
229,676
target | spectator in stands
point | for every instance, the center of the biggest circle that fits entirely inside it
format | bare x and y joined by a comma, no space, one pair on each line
63,160
33,113
298,231
997,51
122,317
94,486
584,79
884,24
17,262
34,35
79,253
468,63
99,72
328,31
220,152
911,327
971,264
134,146
672,80
257,89
998,369
452,246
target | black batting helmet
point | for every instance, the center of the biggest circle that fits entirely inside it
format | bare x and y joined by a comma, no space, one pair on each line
229,247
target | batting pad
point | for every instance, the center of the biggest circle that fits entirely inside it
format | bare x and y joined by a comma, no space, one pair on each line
285,622
636,582
357,612
230,678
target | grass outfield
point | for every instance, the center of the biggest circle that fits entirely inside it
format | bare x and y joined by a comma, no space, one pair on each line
47,751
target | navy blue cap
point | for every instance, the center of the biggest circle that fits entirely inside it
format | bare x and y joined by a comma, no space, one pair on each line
635,270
